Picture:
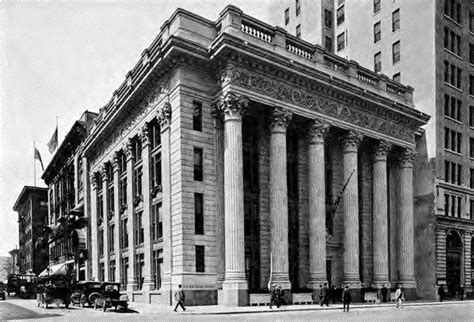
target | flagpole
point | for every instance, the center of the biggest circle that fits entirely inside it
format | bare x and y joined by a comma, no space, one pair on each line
34,163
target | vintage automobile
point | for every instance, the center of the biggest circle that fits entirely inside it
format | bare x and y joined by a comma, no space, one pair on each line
56,289
85,292
110,297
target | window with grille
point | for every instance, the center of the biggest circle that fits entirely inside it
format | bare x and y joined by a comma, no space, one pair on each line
340,15
452,107
376,6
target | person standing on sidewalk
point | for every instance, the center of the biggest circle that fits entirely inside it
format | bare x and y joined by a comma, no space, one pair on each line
274,296
334,294
400,296
325,295
346,298
179,297
441,293
384,293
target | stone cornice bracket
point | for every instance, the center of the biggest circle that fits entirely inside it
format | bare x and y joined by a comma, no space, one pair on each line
144,135
382,149
225,75
407,157
128,149
233,105
218,115
164,116
116,161
94,178
103,170
351,141
280,119
318,131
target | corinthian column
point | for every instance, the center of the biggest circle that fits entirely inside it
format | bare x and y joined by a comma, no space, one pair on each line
105,220
351,211
380,215
406,235
317,206
235,287
279,199
118,255
93,220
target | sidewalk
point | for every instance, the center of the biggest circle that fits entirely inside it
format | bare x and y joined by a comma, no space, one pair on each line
215,309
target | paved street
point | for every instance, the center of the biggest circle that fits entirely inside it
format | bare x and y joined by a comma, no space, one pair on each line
26,309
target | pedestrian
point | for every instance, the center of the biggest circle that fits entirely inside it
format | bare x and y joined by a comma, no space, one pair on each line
334,294
279,296
39,294
384,293
325,295
346,298
441,293
273,296
321,294
400,296
461,293
179,297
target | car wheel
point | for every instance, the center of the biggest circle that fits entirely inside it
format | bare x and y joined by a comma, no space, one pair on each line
95,305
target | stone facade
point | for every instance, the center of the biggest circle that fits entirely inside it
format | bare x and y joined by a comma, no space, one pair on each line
250,157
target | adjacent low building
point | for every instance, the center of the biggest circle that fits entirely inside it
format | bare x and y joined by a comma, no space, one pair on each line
234,155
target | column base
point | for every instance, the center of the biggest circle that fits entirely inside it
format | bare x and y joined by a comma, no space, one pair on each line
407,283
380,284
315,284
234,293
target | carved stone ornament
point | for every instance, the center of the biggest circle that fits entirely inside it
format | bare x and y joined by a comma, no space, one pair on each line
280,118
110,215
144,136
103,171
164,115
407,157
116,162
382,149
352,140
233,105
94,179
128,148
318,131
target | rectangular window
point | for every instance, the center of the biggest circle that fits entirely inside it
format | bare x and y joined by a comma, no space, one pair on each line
328,18
446,71
137,181
446,38
100,207
112,270
298,31
377,32
446,204
110,199
297,7
471,85
471,116
397,77
156,170
123,233
137,149
459,77
111,238
198,164
340,15
157,222
123,163
471,22
340,41
328,43
471,53
378,62
471,212
471,181
198,214
376,6
155,134
471,147
157,267
101,242
139,230
123,191
395,20
200,267
101,272
124,270
287,16
197,116
396,52
140,270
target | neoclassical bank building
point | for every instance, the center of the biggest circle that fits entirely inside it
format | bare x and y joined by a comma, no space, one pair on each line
234,155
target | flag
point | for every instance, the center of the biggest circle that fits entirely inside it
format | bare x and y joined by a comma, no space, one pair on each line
53,143
38,157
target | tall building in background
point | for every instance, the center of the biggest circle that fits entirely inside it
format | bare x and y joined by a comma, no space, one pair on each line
429,45
32,209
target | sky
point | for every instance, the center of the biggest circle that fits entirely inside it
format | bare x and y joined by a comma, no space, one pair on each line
60,58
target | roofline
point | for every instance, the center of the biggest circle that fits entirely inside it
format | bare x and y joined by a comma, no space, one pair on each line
24,191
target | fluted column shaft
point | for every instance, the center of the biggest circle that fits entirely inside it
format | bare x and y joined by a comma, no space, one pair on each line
94,231
116,219
105,221
317,206
351,211
279,199
380,215
164,118
406,241
132,279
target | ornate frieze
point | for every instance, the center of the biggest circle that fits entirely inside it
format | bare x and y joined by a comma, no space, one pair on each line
318,131
351,140
280,119
382,149
322,99
232,105
164,115
406,158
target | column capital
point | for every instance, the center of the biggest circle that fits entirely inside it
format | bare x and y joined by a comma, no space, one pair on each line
382,149
318,131
351,141
232,105
128,149
94,178
407,157
144,136
280,119
164,116
103,171
116,161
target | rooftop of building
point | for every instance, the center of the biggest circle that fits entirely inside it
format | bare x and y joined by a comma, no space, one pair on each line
26,192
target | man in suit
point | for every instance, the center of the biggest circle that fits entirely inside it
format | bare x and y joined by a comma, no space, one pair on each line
179,297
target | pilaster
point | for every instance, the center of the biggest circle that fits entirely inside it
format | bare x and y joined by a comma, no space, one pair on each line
132,280
105,221
118,255
94,258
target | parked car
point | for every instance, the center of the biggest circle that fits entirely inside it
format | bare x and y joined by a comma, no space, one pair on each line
3,289
57,289
110,297
85,292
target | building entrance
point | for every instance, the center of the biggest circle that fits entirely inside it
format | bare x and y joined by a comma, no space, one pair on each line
453,262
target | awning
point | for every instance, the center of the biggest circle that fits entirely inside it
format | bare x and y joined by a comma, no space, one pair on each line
59,269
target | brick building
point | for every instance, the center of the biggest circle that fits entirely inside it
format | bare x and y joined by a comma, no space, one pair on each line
32,208
219,161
